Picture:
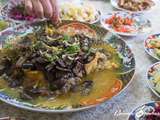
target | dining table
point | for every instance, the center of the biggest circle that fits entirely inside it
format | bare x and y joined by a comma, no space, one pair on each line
120,106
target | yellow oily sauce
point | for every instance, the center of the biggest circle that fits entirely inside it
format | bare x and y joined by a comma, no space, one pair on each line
103,82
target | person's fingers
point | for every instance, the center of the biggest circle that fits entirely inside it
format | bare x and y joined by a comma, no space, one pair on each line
38,8
48,11
28,6
55,7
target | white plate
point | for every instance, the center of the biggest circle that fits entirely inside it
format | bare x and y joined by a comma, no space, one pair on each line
148,50
142,25
79,3
114,3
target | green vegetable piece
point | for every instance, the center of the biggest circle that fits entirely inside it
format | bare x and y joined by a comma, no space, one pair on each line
51,58
73,49
38,45
3,25
8,46
157,87
67,37
157,52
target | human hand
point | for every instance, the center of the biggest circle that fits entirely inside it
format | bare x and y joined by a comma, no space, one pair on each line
43,8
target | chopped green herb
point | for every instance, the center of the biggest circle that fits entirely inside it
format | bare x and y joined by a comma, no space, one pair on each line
73,49
66,37
51,58
8,46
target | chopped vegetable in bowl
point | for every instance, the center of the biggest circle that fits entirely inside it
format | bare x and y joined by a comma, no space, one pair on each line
16,12
154,78
125,23
121,24
152,46
155,44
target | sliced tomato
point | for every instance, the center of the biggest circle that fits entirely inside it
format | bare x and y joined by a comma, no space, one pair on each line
128,21
77,26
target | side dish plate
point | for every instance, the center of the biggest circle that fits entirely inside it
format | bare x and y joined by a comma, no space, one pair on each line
140,24
114,3
149,49
153,78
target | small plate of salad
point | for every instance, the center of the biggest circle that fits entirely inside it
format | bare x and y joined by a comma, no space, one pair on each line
152,46
126,24
153,78
15,11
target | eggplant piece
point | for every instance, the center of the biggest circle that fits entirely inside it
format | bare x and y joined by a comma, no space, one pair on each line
59,83
89,57
35,92
68,60
41,60
63,75
25,96
50,67
14,83
6,66
70,84
2,70
63,69
61,63
78,69
20,62
61,66
86,87
66,88
16,79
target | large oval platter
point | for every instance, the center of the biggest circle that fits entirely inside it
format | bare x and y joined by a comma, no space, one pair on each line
124,74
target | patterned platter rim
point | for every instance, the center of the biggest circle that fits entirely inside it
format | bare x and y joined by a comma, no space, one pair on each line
148,50
149,81
115,5
132,113
23,105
